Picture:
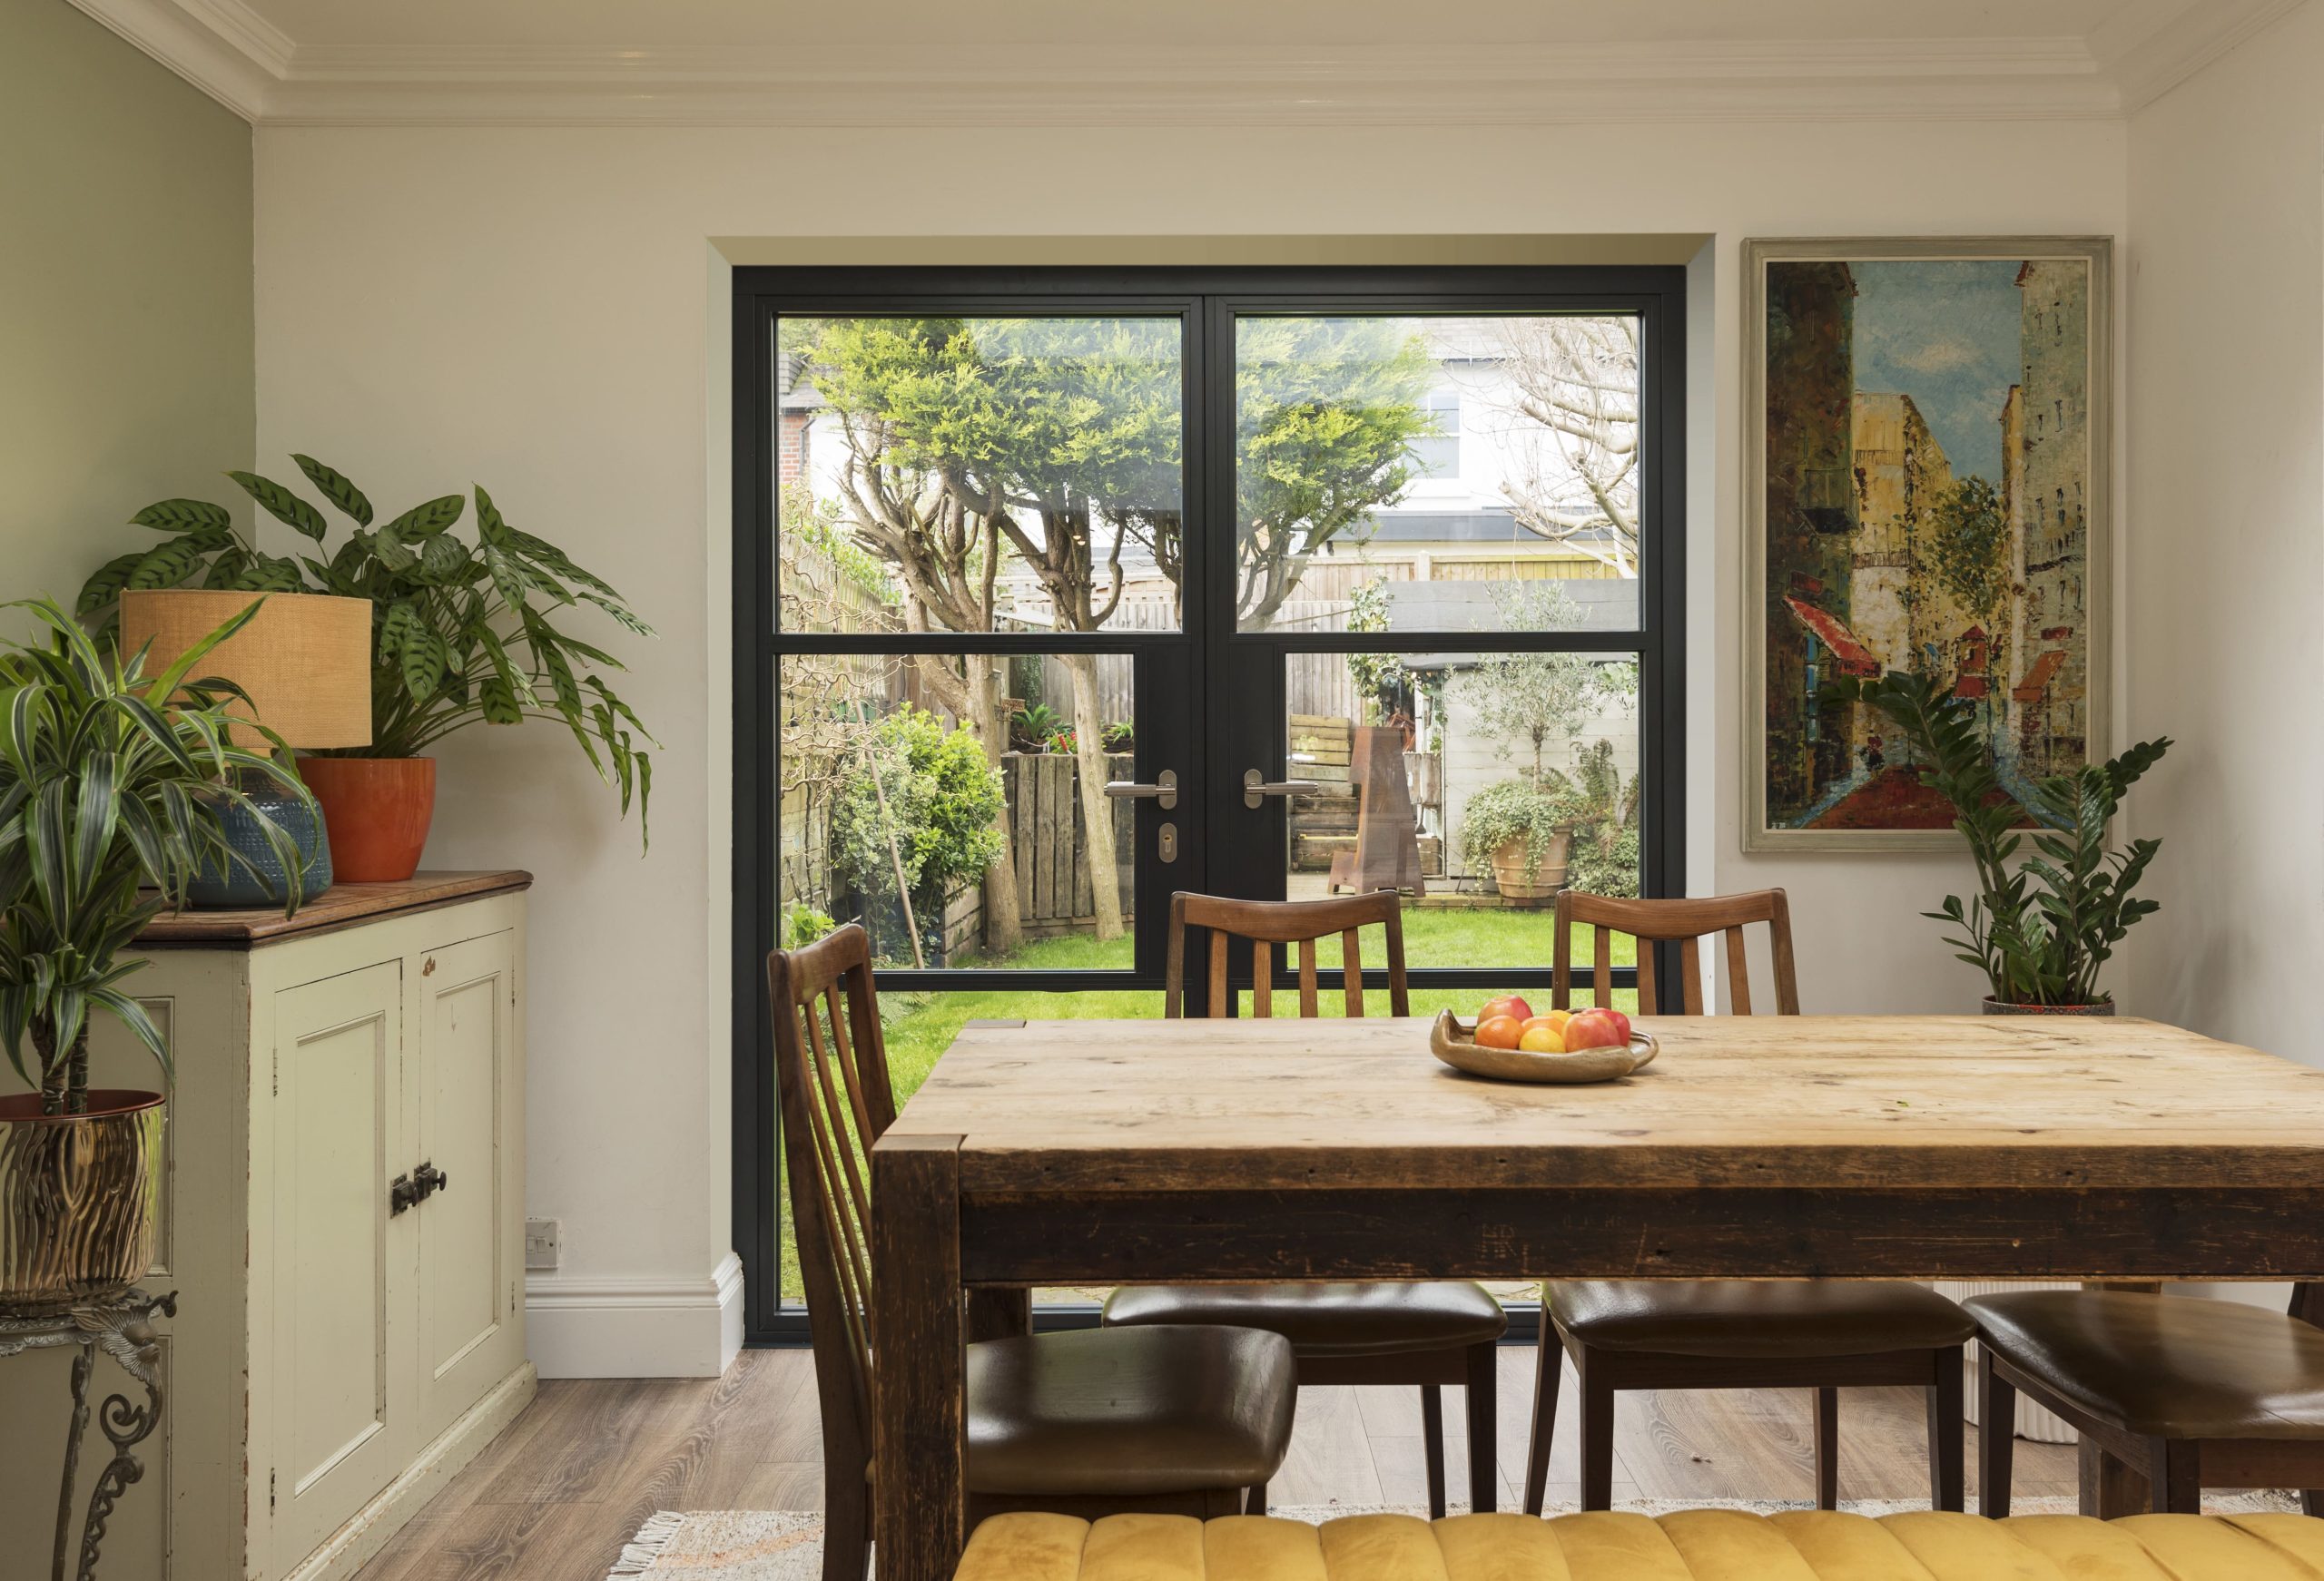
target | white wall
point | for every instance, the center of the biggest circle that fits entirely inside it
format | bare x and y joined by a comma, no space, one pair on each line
540,309
2226,444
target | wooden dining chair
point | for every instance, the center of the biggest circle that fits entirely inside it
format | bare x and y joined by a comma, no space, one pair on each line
2183,1393
1819,1334
1429,1334
1183,1418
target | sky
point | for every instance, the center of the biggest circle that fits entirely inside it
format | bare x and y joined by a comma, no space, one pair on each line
1946,334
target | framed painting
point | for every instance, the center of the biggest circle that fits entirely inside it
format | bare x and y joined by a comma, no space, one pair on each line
1926,489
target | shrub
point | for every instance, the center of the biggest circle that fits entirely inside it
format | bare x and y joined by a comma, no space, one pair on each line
1522,810
941,803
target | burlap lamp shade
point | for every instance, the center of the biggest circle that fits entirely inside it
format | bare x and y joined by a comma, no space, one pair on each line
305,658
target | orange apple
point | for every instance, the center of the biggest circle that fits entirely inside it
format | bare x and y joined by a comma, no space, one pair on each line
1595,1029
1538,1037
1505,1005
1499,1031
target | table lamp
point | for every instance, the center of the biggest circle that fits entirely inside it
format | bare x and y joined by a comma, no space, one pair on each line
305,660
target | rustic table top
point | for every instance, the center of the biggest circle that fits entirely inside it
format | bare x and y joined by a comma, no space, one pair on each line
1808,1101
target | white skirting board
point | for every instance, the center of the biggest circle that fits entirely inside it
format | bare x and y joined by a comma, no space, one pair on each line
627,1328
2032,1423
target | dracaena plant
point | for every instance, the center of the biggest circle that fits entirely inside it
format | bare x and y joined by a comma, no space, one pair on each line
113,784
463,632
2039,927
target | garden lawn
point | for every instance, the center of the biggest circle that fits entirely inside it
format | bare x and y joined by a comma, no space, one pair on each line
918,1026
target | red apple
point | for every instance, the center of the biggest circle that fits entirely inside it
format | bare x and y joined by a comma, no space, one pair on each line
1506,1005
1595,1029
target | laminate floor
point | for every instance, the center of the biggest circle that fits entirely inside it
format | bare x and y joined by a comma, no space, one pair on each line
555,1497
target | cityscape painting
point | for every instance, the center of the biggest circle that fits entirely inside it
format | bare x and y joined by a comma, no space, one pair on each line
1928,454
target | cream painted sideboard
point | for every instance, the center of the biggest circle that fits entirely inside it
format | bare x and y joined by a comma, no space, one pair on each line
335,1357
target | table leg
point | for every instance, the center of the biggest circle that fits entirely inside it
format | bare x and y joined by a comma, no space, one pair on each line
2110,1487
919,1504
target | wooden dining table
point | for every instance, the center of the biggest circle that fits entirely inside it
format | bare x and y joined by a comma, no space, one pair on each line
1094,1152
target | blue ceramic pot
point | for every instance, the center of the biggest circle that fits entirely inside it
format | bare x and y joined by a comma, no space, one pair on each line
255,879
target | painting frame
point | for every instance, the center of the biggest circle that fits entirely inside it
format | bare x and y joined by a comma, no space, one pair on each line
1758,836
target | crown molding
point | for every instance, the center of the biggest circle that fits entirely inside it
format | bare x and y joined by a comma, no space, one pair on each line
2151,46
217,52
234,54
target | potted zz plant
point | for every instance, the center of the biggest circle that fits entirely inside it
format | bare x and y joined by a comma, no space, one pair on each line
462,634
114,787
2040,928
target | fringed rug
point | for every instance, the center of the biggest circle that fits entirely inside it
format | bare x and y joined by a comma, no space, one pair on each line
787,1545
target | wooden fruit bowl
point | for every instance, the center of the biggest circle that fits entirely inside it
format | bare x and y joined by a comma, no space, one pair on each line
1455,1042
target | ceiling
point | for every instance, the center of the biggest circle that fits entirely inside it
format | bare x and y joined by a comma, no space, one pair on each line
1133,62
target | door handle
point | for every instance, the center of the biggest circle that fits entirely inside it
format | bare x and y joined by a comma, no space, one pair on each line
1163,792
428,1180
1257,787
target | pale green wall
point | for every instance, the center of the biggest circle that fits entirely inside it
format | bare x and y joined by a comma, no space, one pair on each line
126,363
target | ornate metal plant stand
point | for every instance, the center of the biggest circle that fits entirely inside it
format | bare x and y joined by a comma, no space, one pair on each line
123,1329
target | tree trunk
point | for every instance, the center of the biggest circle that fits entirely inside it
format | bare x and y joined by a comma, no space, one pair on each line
53,1072
1096,809
1004,923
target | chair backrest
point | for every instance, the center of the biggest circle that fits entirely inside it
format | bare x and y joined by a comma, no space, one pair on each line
1268,923
832,1076
1661,921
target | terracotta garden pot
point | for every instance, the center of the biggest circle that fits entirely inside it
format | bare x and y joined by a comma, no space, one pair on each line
1549,873
376,810
1997,1007
79,1195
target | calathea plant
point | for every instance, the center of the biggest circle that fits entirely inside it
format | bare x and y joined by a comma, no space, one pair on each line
2039,928
465,633
113,784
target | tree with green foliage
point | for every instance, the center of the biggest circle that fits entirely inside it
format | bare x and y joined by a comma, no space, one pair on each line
897,511
1968,544
1326,411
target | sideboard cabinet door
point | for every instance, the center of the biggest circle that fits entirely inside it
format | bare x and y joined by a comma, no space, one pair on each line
469,1123
341,1360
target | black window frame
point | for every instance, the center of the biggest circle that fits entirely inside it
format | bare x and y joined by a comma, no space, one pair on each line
1208,299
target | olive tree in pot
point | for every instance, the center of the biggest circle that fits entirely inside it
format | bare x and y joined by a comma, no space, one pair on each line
462,634
2040,928
113,789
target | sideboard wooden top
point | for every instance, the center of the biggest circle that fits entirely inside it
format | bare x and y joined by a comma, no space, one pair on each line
341,905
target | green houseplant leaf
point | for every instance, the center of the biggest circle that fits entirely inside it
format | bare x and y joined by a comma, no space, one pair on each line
113,785
458,637
2042,923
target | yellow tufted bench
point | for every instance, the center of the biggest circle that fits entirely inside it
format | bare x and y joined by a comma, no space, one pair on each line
1694,1544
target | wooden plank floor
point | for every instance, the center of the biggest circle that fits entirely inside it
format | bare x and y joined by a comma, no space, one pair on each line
557,1495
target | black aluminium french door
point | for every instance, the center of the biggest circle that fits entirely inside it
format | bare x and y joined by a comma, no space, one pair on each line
1268,582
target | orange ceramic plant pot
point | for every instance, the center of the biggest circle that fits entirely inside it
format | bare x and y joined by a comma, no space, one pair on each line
376,811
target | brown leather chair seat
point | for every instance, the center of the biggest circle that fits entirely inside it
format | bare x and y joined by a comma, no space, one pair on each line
1326,1320
1133,1411
1759,1318
2167,1366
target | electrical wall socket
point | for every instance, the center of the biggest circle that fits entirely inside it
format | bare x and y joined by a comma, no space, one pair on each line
544,1238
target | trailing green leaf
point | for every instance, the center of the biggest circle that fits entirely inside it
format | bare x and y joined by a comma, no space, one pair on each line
282,504
185,516
336,488
423,521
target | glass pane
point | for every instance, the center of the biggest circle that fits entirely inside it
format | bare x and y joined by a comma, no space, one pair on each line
977,475
1408,473
1477,784
945,803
